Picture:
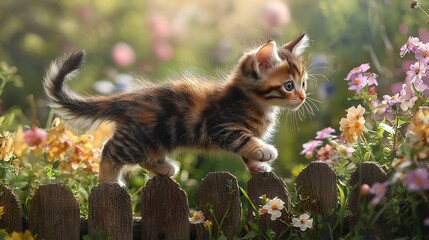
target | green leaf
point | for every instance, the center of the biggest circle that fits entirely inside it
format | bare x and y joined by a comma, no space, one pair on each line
222,237
56,164
250,235
8,120
19,185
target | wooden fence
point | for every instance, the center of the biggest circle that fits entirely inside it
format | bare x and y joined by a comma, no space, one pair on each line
54,212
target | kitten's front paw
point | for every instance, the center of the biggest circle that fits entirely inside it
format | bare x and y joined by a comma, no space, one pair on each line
257,166
265,153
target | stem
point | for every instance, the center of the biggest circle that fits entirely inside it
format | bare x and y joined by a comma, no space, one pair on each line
427,15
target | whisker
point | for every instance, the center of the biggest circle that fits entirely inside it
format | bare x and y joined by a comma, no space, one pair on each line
319,74
312,101
309,109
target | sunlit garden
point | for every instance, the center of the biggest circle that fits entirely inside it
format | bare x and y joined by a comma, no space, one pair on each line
367,102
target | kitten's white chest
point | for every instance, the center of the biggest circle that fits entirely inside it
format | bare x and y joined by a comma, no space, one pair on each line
270,122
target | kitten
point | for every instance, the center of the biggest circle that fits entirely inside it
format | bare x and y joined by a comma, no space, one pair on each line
238,115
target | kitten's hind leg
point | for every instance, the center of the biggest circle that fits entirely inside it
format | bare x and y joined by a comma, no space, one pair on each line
159,163
109,171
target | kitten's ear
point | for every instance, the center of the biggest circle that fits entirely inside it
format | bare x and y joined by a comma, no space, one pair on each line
266,58
298,45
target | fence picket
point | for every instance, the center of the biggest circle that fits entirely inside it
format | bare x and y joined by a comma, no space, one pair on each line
165,210
318,183
12,218
268,183
110,213
54,213
369,173
219,192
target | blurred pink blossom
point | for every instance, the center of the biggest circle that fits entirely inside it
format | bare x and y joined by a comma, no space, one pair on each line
417,180
403,28
35,136
276,13
123,54
426,222
358,82
163,50
159,26
424,34
379,190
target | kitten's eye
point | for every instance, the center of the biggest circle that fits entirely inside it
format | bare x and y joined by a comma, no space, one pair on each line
303,84
289,86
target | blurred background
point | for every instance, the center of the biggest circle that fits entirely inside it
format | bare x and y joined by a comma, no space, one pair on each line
159,39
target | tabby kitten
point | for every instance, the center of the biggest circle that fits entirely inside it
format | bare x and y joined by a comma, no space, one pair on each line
238,115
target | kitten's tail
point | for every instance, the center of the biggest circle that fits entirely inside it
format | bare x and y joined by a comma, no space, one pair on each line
79,112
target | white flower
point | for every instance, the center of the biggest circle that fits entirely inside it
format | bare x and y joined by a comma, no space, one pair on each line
303,222
273,207
197,217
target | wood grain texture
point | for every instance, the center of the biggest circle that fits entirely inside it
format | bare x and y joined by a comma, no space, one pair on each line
318,184
110,213
272,186
369,173
165,211
219,191
12,218
54,213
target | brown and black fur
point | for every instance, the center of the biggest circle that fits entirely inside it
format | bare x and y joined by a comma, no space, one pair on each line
238,115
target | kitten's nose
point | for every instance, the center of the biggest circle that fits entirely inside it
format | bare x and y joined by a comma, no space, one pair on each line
301,95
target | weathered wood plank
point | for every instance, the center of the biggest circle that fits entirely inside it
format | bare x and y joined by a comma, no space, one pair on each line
219,192
54,213
110,213
272,186
369,173
165,210
318,183
12,218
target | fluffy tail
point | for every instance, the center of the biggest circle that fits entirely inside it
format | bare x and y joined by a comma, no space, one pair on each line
79,112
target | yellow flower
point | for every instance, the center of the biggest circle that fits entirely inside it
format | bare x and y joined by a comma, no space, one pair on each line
27,235
1,211
19,145
208,224
354,124
420,126
6,149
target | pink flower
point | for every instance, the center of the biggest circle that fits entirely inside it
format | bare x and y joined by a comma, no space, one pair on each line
159,26
422,53
407,97
35,136
390,100
123,54
372,78
355,71
417,71
325,152
311,146
358,82
417,180
325,133
379,190
411,45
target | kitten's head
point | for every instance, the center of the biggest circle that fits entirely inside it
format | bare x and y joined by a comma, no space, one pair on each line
276,76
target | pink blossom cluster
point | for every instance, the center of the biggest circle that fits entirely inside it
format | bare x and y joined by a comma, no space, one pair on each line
417,76
359,78
333,149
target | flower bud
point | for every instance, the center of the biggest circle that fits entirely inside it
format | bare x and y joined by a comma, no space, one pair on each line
414,4
365,189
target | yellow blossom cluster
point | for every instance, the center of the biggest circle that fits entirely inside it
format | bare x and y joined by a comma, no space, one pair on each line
6,146
59,141
419,128
83,156
354,124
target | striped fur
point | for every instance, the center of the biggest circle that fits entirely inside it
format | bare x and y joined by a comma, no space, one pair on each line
238,115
